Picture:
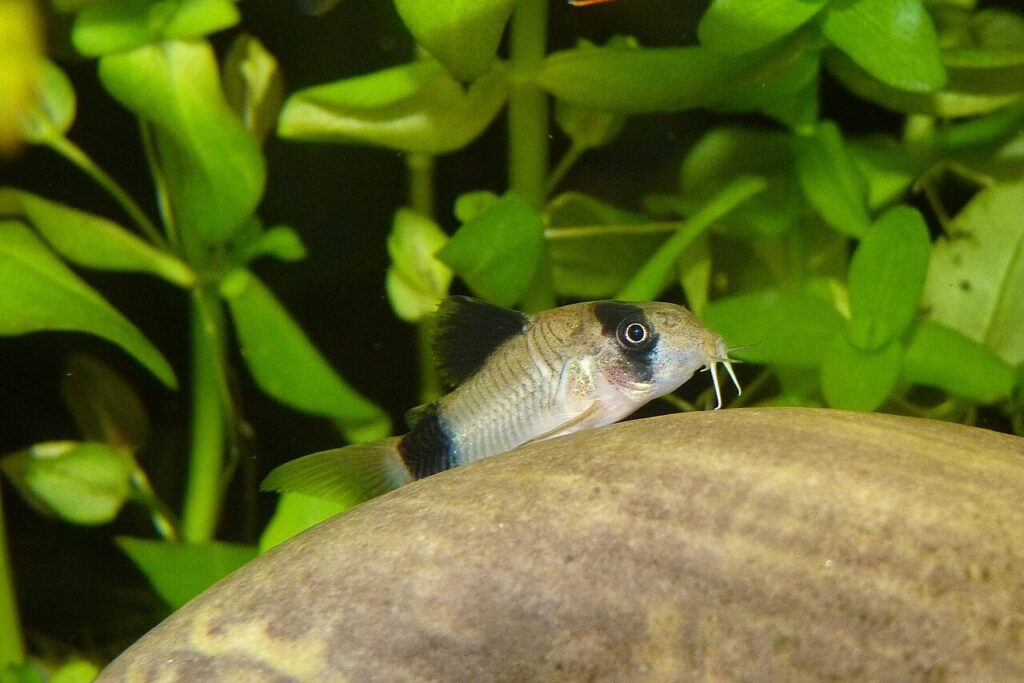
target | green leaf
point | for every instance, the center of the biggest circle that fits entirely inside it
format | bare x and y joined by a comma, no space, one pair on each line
790,97
54,109
461,34
81,482
777,327
253,85
588,128
831,181
975,284
416,279
889,168
213,168
287,366
736,26
886,277
591,128
75,671
105,407
120,25
961,97
280,242
643,80
498,252
941,357
41,293
93,241
295,513
855,379
416,107
469,205
725,154
21,672
893,40
594,247
653,276
695,274
181,571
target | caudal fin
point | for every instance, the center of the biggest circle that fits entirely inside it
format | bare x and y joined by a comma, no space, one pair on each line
343,475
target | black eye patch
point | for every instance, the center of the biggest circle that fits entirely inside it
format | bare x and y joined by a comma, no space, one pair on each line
632,330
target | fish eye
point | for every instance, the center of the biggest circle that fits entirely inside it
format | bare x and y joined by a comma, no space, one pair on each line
633,334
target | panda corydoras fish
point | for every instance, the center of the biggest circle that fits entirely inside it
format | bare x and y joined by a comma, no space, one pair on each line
519,378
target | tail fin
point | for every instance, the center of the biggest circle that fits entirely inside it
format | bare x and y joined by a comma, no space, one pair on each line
343,475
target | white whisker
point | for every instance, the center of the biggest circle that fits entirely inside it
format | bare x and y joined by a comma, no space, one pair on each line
728,367
714,380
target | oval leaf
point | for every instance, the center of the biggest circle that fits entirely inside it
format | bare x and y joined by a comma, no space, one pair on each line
736,26
461,34
638,80
498,252
976,279
287,366
181,571
213,167
784,328
93,241
854,379
886,278
831,180
416,107
416,279
977,374
54,111
81,482
893,40
41,293
962,97
105,407
253,84
121,25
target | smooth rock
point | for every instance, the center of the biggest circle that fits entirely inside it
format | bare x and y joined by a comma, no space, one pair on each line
750,544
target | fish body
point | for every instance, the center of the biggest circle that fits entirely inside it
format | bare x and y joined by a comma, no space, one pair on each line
521,378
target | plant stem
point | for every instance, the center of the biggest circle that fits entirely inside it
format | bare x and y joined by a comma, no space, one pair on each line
430,383
630,229
76,156
528,126
201,508
421,183
163,201
652,277
421,200
12,649
163,518
571,156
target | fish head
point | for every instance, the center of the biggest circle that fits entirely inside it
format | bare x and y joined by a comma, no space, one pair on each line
651,349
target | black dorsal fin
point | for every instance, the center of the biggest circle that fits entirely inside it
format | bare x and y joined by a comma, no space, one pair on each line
467,333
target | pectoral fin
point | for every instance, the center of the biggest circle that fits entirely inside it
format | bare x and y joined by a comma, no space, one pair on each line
343,475
572,424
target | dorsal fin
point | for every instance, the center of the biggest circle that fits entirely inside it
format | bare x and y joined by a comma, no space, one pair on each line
468,331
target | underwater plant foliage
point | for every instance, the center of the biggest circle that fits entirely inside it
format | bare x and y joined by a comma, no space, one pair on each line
224,228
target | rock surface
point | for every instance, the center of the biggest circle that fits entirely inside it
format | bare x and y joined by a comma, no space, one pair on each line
751,544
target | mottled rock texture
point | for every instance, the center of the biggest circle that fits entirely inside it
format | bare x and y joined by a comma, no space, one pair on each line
752,545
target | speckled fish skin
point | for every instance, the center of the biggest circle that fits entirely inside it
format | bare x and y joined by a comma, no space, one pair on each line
520,378
569,370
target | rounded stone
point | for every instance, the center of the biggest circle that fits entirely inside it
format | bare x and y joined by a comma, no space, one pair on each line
751,544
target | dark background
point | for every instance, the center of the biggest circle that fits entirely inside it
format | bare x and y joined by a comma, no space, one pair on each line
74,586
